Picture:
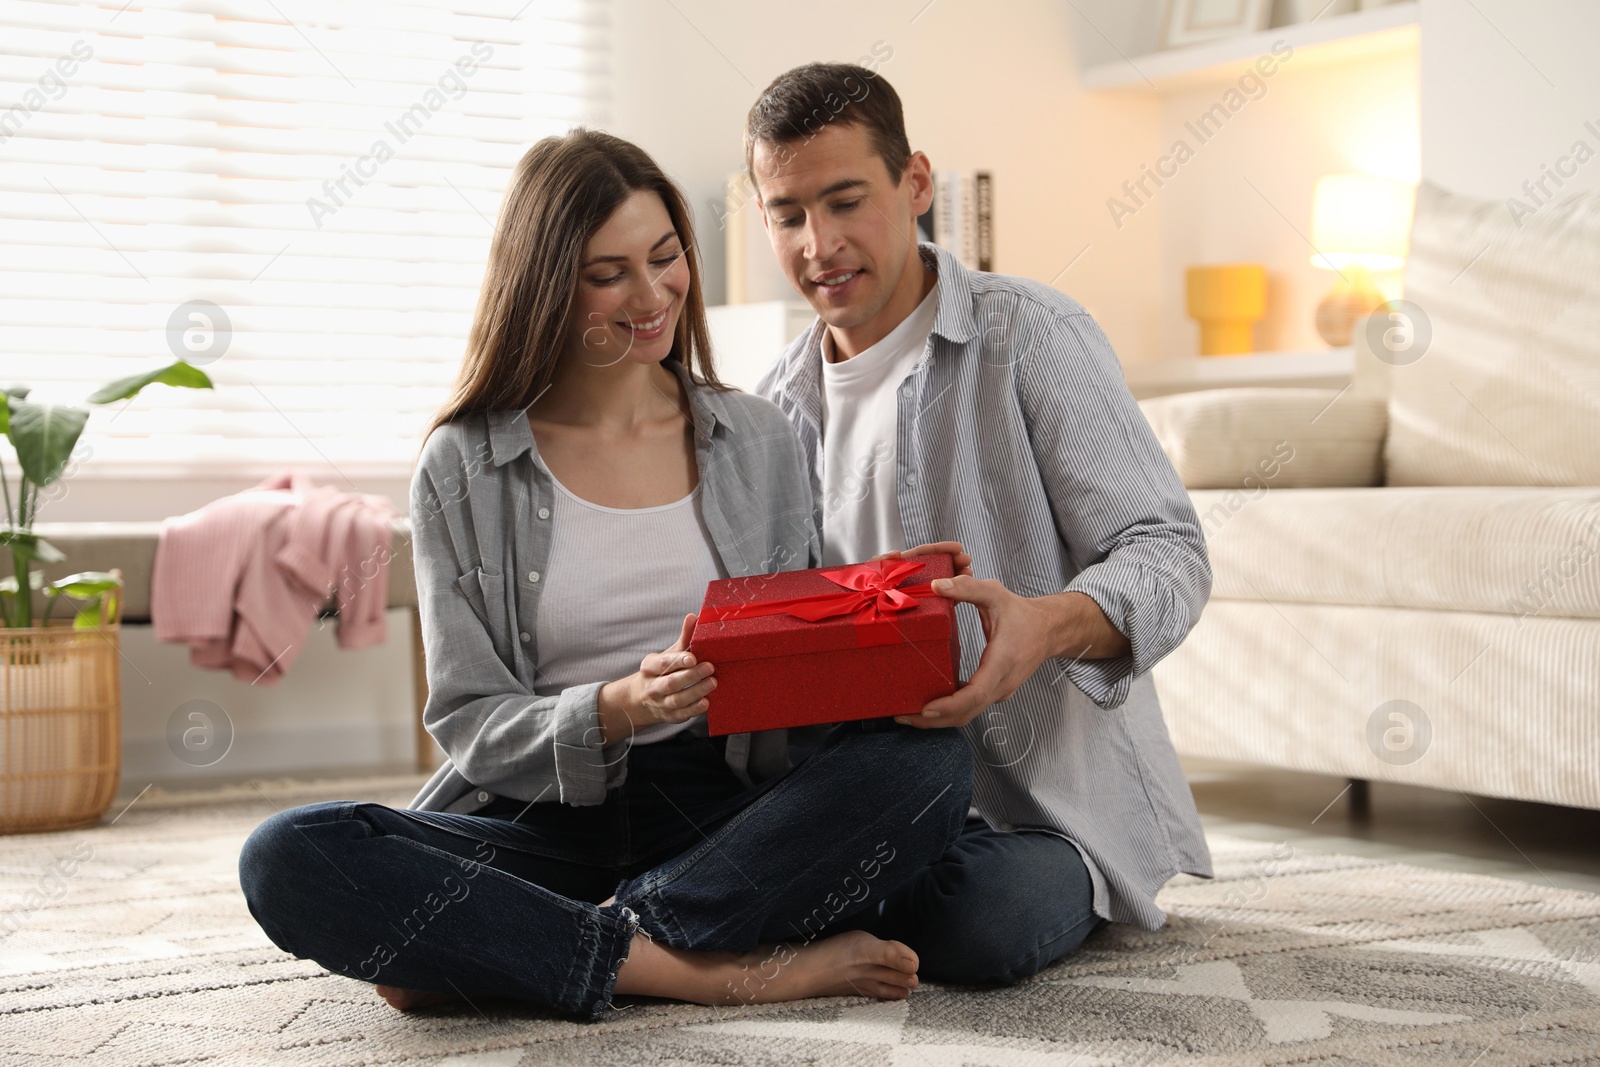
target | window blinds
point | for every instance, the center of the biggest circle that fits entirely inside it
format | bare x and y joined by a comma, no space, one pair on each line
295,196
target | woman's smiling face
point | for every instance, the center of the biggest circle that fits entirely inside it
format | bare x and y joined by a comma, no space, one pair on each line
631,286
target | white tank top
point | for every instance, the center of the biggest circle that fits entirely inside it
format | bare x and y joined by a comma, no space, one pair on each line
617,587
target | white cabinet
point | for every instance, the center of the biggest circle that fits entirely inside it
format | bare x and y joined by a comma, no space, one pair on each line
746,338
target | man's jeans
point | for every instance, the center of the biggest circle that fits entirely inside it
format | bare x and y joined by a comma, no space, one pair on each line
997,907
504,903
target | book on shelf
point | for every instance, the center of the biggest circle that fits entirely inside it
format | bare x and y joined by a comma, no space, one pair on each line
961,219
983,187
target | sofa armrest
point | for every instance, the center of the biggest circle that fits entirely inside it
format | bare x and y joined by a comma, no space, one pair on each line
1292,438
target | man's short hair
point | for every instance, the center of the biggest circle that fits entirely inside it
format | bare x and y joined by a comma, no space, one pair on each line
801,103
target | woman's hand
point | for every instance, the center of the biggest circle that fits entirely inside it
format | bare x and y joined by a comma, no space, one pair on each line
669,686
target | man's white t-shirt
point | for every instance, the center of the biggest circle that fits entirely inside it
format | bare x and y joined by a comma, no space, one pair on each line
860,440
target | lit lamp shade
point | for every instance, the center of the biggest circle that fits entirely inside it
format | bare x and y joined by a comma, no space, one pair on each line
1358,224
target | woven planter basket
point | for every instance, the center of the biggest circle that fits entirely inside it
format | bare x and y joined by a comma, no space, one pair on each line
60,725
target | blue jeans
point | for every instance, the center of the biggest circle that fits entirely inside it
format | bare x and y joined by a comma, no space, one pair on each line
505,903
997,907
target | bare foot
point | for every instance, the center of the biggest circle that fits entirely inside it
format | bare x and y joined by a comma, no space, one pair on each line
848,964
412,999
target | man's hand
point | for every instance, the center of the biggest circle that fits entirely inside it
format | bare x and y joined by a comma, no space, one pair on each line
962,561
1020,634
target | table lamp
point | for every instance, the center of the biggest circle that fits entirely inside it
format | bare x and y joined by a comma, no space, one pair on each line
1359,224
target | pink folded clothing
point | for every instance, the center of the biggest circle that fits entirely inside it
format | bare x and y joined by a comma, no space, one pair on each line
241,580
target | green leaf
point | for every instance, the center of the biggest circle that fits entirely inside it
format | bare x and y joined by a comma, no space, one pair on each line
18,392
99,586
84,584
29,545
178,374
44,436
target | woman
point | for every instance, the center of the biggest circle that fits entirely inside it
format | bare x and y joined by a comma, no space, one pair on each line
585,480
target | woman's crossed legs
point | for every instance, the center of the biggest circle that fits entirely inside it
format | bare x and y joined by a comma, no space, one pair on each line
428,902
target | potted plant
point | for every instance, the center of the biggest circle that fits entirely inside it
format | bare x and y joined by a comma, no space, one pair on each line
59,701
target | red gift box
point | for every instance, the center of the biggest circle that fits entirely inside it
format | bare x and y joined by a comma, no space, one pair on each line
828,644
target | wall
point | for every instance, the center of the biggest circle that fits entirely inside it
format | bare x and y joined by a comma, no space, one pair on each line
1245,196
984,86
1507,86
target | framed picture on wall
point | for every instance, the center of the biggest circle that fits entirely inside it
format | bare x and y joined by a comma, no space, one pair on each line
1197,21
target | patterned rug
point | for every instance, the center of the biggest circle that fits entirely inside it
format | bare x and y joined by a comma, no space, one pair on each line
130,944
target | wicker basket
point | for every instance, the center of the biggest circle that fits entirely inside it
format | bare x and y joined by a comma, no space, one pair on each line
60,725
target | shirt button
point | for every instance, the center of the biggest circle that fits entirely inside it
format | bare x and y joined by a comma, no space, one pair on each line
483,798
905,390
524,636
533,576
544,513
911,479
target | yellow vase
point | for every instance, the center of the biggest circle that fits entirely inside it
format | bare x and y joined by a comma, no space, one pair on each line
1226,299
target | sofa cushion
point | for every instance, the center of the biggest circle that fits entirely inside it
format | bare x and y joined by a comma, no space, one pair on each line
1290,438
1508,550
1508,390
131,547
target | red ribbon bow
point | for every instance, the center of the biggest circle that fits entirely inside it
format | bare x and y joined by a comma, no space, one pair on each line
871,597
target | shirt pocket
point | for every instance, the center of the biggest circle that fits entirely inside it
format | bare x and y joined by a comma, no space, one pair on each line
486,594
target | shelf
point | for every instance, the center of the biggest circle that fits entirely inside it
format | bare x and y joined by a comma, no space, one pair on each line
1328,368
1338,38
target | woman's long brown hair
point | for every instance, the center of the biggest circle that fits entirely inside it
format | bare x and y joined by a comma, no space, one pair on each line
564,189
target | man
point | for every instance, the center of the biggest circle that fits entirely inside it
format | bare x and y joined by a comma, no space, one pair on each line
943,408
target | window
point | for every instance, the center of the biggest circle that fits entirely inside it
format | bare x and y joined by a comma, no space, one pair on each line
295,195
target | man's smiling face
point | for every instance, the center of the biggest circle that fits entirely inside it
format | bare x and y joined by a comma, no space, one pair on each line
844,229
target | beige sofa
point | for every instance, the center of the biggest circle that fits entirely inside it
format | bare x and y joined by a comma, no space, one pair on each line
1407,572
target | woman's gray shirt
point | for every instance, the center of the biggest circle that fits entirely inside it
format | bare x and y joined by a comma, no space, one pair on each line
481,522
